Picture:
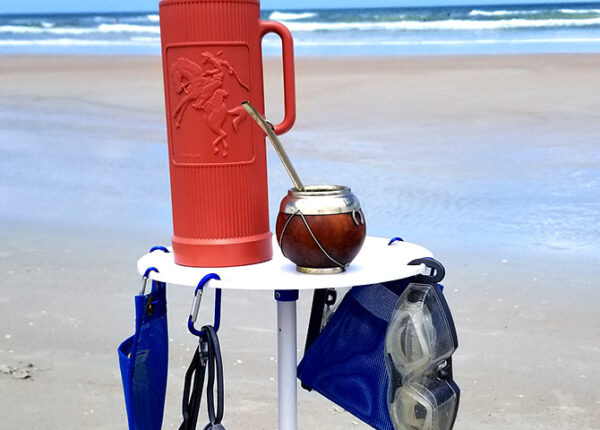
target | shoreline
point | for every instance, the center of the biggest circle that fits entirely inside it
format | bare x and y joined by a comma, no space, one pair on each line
302,57
491,162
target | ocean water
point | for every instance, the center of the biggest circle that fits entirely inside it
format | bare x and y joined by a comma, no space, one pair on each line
501,29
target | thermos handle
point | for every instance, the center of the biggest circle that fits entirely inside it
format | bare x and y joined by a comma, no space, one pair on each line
289,92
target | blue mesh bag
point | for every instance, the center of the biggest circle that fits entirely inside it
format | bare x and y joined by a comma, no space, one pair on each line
143,358
346,363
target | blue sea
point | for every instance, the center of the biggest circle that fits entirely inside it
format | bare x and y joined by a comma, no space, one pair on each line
502,29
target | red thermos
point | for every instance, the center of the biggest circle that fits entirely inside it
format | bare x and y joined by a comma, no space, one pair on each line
212,61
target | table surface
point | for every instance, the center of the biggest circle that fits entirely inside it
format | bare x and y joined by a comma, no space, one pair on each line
376,262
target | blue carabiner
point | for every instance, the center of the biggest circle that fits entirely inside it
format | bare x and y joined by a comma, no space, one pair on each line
158,248
145,278
395,239
196,305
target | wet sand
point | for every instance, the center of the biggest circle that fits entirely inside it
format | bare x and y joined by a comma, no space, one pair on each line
490,162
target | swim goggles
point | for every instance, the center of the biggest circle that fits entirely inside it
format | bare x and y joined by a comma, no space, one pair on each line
419,343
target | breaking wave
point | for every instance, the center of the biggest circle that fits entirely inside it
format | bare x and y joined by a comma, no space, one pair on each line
289,16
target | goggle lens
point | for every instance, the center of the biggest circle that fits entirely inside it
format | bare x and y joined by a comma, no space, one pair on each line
419,343
428,406
419,333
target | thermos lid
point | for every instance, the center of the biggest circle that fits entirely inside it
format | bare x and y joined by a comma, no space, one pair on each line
320,200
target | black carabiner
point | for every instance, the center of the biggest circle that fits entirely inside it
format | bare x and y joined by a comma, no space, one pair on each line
207,354
437,270
215,365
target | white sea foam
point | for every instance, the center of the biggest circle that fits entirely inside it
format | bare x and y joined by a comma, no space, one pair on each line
306,43
349,42
128,28
70,42
301,26
289,16
476,12
102,28
441,25
438,42
572,31
581,11
18,29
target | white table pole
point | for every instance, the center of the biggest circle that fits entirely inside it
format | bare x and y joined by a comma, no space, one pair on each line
286,359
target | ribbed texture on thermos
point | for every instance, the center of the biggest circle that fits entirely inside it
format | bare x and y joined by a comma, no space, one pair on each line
206,21
212,62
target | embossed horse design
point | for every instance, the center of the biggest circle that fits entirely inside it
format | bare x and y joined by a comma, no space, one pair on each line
202,88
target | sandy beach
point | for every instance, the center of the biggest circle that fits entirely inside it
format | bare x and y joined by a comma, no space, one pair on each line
491,162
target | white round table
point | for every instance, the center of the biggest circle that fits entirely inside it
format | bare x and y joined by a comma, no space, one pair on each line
377,262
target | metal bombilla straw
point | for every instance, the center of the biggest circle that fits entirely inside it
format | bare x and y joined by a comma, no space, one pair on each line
267,128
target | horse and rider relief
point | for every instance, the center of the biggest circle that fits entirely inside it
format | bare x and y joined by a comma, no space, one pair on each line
209,86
